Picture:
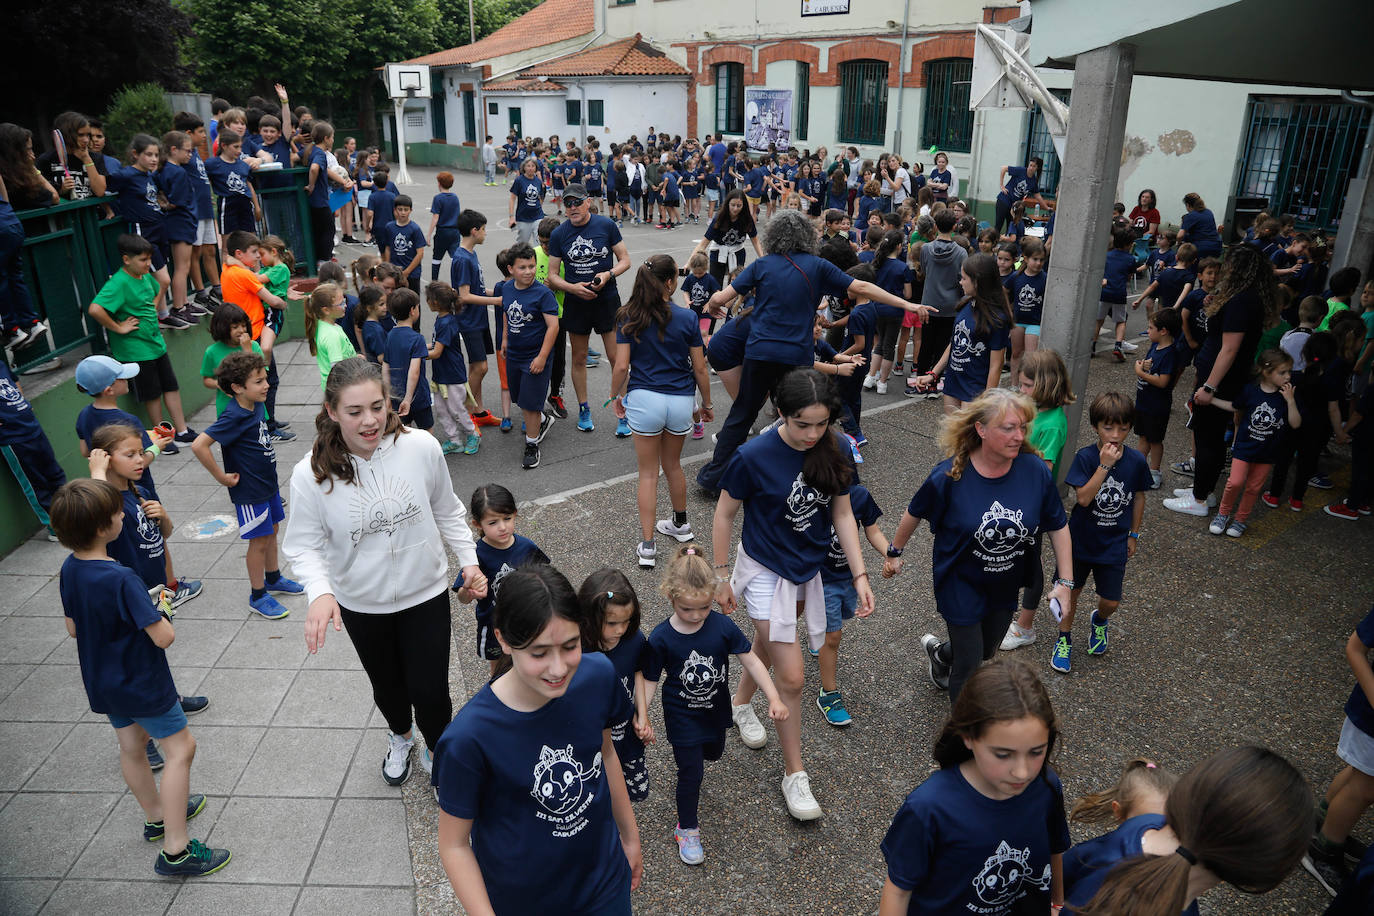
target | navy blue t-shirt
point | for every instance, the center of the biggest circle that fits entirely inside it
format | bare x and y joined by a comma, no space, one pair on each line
970,354
466,270
699,290
242,436
92,418
983,528
1242,314
281,152
866,512
445,206
1150,399
664,365
382,203
1200,227
1100,529
1027,297
402,242
200,182
125,673
695,668
1263,418
1156,261
1170,285
525,324
1117,272
595,176
449,367
137,192
230,179
585,252
534,785
319,195
374,339
1019,186
628,657
944,176
498,562
1086,864
670,190
403,344
726,349
959,851
176,187
891,276
787,522
863,322
753,181
529,199
1195,304
1357,708
787,288
140,546
17,421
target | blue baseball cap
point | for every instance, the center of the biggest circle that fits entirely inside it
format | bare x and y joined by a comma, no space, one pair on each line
96,373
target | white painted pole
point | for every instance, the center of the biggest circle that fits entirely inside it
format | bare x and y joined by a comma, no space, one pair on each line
402,174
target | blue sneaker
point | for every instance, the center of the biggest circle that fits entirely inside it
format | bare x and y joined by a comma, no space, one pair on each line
1316,481
1097,639
506,425
155,830
592,361
268,607
689,845
192,705
1062,659
185,590
860,440
449,447
584,419
473,442
196,861
155,761
622,429
595,354
832,705
286,586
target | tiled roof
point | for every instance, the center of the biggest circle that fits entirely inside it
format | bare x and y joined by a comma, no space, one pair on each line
550,22
525,85
631,56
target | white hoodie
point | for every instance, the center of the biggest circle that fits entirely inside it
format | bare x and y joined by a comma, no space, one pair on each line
375,544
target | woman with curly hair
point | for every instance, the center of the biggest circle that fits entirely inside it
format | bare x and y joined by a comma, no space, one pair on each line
1244,303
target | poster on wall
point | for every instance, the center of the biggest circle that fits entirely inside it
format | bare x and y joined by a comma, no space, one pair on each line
824,7
768,118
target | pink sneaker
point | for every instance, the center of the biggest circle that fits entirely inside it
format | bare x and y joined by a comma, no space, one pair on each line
698,430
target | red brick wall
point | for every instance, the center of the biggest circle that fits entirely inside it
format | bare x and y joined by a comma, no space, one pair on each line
795,50
959,44
866,49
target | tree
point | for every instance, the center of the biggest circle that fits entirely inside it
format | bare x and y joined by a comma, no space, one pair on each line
387,31
490,15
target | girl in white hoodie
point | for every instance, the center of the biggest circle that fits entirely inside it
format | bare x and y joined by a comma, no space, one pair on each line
368,509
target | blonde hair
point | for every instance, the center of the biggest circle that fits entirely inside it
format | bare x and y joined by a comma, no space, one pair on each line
1139,776
959,437
688,573
322,298
1050,377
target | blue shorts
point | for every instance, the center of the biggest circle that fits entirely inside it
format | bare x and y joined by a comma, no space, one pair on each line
652,412
1356,748
258,520
1031,329
160,726
527,390
1107,577
713,194
841,599
478,345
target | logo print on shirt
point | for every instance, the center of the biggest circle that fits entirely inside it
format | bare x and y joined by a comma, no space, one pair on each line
150,534
236,184
1001,532
401,246
803,502
12,396
699,677
150,194
583,252
1264,421
963,346
388,508
1004,874
1028,299
532,194
564,788
1111,500
516,318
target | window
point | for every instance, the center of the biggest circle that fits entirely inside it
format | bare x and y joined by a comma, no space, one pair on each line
493,108
574,107
803,110
863,101
1038,143
948,121
596,113
730,98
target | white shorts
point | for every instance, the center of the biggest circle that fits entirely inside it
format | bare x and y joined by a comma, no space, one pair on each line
205,232
758,595
652,412
1356,748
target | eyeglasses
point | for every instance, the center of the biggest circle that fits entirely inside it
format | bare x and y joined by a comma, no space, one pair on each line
574,201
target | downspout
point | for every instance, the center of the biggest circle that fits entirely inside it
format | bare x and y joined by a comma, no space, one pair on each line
901,81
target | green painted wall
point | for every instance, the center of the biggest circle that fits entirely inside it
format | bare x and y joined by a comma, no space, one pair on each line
444,155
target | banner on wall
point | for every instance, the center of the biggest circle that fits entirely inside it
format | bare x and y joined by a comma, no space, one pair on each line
768,118
824,7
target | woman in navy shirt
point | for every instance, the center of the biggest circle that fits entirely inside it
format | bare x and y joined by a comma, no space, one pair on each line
526,202
985,503
1200,227
1018,184
724,238
660,363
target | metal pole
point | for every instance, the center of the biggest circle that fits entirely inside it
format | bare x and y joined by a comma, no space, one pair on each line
901,81
472,25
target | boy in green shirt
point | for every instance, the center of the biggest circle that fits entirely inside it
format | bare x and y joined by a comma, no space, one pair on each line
126,307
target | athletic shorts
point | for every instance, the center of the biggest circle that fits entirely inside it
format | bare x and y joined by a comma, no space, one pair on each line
156,237
256,520
418,418
758,594
236,214
1116,310
911,319
155,378
754,201
652,412
582,316
841,599
478,345
487,646
1032,329
276,319
713,195
1356,748
161,726
180,226
672,201
1107,577
1151,426
528,390
205,232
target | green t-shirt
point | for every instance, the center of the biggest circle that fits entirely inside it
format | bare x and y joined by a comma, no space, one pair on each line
541,273
1049,431
214,355
331,346
1332,307
277,279
125,296
1269,340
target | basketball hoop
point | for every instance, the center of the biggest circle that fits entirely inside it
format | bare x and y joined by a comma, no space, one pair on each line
1002,79
403,83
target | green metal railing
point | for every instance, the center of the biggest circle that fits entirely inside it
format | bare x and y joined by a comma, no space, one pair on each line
1038,143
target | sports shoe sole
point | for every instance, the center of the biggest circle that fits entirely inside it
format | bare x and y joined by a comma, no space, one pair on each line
664,528
1311,868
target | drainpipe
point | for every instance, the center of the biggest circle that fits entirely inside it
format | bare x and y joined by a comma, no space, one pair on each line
901,81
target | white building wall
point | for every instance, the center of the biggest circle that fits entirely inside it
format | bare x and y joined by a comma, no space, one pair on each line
633,105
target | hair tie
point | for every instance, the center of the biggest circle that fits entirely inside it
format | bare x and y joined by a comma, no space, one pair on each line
610,596
1187,855
690,552
1149,766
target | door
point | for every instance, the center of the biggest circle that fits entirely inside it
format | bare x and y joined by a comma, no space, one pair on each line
514,115
436,114
470,115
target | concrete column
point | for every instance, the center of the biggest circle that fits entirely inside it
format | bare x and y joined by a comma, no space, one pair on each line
1355,241
1087,190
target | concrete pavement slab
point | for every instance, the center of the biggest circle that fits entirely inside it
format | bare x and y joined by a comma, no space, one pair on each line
365,844
24,896
272,839
42,833
118,849
288,761
325,699
240,899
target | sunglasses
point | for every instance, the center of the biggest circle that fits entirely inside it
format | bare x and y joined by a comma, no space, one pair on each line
574,201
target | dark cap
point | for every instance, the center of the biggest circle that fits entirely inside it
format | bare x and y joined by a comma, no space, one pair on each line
577,189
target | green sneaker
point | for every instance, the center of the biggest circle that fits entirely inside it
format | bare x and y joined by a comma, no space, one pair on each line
472,443
154,831
1062,659
1097,642
832,705
197,861
450,447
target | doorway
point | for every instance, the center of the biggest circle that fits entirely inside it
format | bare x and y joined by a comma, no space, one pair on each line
515,125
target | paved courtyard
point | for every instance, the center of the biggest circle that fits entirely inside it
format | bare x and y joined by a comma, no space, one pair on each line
1219,642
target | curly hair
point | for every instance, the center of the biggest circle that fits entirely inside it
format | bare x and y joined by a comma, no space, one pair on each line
1247,269
959,437
789,232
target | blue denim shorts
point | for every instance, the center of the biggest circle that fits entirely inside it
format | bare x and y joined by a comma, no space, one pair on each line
652,412
1356,748
841,599
162,726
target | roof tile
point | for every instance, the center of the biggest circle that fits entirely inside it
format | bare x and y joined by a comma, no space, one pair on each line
524,85
550,22
632,56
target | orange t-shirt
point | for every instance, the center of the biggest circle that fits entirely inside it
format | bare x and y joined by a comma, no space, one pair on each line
240,286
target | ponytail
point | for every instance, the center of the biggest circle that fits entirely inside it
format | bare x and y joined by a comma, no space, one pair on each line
1140,775
890,244
825,467
649,301
442,297
322,298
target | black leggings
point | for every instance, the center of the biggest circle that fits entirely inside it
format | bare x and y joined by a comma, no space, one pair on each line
1304,444
322,231
935,336
720,262
1002,217
691,768
405,655
1209,427
756,382
1034,581
969,646
560,363
273,383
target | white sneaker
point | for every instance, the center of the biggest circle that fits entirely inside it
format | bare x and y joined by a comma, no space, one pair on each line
1188,491
427,761
1017,636
396,763
870,382
1187,506
882,386
683,534
801,804
1156,480
750,728
1129,347
648,556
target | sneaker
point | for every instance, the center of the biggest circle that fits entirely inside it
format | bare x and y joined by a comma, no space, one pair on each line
484,419
192,705
268,607
531,459
506,424
427,762
934,394
396,763
1156,480
1293,503
170,448
172,323
16,338
1017,636
1188,491
194,309
1269,499
196,861
1330,871
1186,468
280,435
912,391
689,846
185,590
648,555
1187,505
801,804
860,440
1235,529
698,430
560,409
1320,482
449,447
592,361
1341,510
280,424
870,382
1062,658
155,761
622,429
186,436
832,706
881,387
584,419
939,670
1218,525
751,731
683,533
1366,509
897,369
545,424
285,586
156,830
471,444
1097,635
1129,347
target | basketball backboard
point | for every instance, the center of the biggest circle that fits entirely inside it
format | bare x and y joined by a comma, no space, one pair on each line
407,81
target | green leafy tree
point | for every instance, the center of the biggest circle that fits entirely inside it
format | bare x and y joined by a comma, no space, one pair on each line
138,109
386,31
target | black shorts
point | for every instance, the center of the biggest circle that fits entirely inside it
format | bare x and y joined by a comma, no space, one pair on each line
1151,426
478,345
418,418
1107,577
487,646
671,201
155,378
583,317
276,319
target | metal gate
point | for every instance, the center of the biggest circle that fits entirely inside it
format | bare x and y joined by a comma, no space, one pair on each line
948,122
1301,153
1038,143
863,102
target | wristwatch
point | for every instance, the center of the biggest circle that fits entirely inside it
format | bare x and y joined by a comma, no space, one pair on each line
1210,389
895,551
1067,583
